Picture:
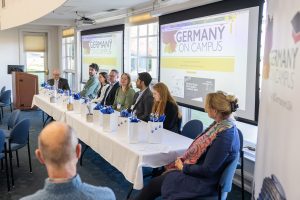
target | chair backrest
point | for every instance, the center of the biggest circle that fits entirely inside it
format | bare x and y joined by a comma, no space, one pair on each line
5,97
2,89
241,140
13,118
192,129
225,182
179,122
2,141
19,134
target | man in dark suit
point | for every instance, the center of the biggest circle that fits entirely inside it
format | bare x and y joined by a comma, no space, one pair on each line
58,82
110,93
143,100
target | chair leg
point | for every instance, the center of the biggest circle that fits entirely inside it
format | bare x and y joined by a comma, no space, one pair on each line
219,194
10,107
17,155
81,157
6,168
242,177
11,166
29,157
0,118
129,193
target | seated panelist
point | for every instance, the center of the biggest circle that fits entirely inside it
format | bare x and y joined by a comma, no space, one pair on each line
58,82
197,172
92,85
110,93
165,104
124,94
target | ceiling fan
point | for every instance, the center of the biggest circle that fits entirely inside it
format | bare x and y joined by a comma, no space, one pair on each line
84,20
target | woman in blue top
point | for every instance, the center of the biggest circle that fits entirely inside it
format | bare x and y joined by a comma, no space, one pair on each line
197,172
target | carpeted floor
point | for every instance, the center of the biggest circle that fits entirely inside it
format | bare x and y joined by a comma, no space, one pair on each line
95,170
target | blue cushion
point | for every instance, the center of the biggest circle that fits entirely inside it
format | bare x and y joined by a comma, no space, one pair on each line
15,146
6,133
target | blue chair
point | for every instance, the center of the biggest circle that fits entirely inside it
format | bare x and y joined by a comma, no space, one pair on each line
5,100
19,138
2,90
225,183
192,129
3,155
12,121
240,164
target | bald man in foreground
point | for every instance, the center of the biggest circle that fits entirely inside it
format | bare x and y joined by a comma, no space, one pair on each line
59,150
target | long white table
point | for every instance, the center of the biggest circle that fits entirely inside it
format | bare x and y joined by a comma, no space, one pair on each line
114,147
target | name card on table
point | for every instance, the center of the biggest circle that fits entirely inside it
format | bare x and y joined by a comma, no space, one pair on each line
155,130
110,122
134,129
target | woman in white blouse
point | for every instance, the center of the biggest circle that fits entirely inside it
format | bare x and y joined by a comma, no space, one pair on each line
104,85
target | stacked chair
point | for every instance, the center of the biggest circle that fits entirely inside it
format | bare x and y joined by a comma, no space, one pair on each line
15,137
3,156
5,100
19,138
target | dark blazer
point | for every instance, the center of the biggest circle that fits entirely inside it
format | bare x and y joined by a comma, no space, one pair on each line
171,121
143,107
109,98
201,179
62,83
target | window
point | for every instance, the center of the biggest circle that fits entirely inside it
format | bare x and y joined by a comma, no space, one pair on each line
35,48
143,46
68,57
202,116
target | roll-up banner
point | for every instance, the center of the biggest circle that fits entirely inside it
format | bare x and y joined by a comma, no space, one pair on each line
277,168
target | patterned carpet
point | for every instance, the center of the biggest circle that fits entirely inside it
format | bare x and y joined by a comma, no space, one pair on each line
95,170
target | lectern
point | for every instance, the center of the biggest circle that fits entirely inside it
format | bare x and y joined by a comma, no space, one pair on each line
24,87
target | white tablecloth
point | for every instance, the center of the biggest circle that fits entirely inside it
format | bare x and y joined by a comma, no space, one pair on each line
52,109
114,147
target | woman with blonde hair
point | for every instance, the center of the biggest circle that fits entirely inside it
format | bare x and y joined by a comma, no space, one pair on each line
197,172
124,94
165,104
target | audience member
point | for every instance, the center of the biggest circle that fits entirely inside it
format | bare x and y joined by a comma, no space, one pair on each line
92,85
59,151
197,172
124,94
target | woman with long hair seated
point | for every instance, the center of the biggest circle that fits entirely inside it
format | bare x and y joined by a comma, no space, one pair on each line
124,94
197,172
103,79
165,104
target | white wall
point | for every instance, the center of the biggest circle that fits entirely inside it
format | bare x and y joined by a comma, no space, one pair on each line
9,54
11,49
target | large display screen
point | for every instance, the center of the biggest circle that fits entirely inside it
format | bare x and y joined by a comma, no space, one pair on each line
104,49
211,53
